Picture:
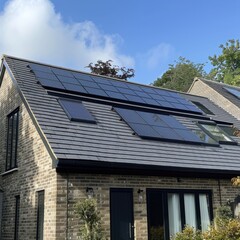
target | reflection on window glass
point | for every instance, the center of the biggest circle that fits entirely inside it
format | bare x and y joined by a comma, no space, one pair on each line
204,211
230,130
204,137
155,216
170,210
218,134
174,214
190,210
203,108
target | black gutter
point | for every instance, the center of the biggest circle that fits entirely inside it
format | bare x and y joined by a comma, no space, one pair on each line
97,167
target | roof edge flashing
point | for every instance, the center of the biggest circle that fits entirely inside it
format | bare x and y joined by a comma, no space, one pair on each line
2,72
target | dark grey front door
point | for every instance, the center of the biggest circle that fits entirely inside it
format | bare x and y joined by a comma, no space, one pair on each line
121,213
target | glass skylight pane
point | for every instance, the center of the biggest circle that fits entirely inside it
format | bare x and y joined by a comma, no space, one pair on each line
233,91
216,132
204,137
203,108
230,130
76,111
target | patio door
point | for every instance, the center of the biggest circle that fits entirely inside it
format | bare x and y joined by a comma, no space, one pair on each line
121,214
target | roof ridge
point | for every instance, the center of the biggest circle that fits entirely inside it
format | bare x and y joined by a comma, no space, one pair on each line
218,83
92,74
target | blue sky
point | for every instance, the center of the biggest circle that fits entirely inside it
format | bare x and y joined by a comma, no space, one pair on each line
145,35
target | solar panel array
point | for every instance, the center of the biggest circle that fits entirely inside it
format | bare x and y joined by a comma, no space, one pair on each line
233,91
70,81
157,126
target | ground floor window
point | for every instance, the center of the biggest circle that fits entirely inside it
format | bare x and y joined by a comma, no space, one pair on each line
40,215
170,210
1,205
17,210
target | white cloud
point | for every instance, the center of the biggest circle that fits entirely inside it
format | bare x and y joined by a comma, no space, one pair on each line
32,29
158,55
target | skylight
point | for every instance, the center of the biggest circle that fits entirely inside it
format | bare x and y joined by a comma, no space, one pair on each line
203,108
233,91
216,133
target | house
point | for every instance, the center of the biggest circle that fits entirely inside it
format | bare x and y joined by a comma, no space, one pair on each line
154,159
224,95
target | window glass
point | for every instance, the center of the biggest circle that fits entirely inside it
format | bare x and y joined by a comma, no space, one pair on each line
1,208
17,210
12,138
204,211
190,210
40,215
155,213
230,130
168,211
204,137
174,214
218,134
203,108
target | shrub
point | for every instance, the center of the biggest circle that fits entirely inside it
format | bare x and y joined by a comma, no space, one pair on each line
230,230
188,233
224,214
88,214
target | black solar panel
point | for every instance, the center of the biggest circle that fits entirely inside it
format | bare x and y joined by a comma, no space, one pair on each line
76,111
60,79
157,126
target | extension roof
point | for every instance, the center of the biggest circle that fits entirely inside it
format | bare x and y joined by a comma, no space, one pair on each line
110,145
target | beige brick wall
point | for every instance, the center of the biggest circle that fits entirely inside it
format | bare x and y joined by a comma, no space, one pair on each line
201,89
77,184
34,172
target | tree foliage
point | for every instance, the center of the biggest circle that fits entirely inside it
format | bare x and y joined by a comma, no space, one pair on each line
227,64
180,75
107,69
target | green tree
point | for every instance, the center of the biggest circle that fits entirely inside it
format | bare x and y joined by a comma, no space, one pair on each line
107,69
180,75
227,64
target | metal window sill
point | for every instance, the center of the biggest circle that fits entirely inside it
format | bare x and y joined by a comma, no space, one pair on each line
9,171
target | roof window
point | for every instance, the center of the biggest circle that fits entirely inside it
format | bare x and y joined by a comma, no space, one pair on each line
203,108
215,132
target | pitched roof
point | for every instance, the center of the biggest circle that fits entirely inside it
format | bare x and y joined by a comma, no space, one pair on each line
221,88
110,145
